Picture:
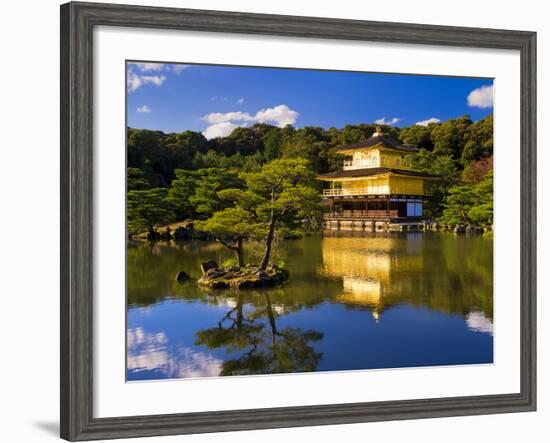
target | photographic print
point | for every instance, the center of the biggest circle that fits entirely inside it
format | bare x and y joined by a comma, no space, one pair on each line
296,220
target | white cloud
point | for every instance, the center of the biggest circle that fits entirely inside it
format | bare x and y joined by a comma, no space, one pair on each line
240,101
428,121
148,67
481,97
222,129
143,109
477,321
177,69
218,117
383,121
230,303
136,81
282,115
150,352
223,123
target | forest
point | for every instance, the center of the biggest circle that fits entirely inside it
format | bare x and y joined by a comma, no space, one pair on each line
183,176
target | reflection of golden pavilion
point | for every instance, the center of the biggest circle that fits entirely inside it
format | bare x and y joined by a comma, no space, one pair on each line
366,266
358,256
362,292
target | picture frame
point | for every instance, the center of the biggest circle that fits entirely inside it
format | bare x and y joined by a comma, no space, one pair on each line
77,219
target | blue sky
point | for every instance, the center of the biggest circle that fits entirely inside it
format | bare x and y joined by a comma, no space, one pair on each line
216,99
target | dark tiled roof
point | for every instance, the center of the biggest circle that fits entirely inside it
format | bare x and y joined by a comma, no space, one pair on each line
385,140
373,171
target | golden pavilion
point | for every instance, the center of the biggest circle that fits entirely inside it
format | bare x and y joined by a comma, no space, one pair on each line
376,188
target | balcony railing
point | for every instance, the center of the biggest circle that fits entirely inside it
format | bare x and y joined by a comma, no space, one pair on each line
378,190
372,190
361,214
375,163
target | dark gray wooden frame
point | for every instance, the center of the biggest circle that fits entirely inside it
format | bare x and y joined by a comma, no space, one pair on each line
77,23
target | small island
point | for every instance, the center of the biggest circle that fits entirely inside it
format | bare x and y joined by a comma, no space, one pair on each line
216,277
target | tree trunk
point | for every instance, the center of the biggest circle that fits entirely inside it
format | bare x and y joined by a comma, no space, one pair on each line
239,311
271,317
237,247
268,242
240,253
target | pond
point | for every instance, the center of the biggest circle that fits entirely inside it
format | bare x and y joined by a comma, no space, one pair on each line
352,302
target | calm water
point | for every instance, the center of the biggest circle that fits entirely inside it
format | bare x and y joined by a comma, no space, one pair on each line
352,302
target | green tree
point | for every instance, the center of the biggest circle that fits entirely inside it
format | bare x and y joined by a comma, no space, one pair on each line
144,151
311,143
482,212
272,144
419,136
159,154
231,226
147,209
195,193
276,198
478,141
280,195
136,179
449,137
191,142
351,134
459,202
181,191
470,204
205,199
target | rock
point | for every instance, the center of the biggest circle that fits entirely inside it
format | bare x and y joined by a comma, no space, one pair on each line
458,229
182,276
283,274
263,274
214,273
183,233
219,284
247,284
206,266
474,230
153,235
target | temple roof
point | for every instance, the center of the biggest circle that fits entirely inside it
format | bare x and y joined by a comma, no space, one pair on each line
376,139
373,171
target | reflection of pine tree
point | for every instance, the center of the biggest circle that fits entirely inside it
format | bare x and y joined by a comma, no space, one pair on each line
269,350
234,331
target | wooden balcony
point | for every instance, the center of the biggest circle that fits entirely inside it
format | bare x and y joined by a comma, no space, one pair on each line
372,190
362,214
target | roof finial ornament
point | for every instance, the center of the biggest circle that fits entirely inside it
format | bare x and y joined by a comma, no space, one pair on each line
378,131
